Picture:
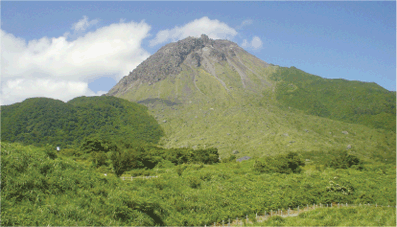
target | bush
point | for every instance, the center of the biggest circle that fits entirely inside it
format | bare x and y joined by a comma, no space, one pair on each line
51,152
180,169
99,159
67,152
343,160
231,158
194,182
123,161
96,143
289,163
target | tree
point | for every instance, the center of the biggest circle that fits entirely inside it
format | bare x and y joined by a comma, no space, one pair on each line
295,162
97,143
289,163
99,158
343,160
121,161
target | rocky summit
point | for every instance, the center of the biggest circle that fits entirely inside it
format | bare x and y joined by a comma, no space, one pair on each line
190,54
213,93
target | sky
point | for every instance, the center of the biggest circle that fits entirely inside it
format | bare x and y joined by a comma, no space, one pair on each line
63,50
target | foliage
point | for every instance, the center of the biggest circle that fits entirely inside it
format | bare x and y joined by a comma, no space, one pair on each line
123,160
349,101
38,190
345,216
343,160
41,121
126,156
94,143
180,169
288,163
230,158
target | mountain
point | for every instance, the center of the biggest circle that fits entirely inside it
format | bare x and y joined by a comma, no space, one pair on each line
349,101
39,121
208,92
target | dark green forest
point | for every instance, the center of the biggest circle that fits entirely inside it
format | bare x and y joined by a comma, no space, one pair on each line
349,101
42,121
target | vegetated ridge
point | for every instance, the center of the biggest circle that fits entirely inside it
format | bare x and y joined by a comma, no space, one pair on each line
208,92
41,121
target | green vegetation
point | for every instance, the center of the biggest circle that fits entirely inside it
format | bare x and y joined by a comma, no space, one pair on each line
345,216
288,163
38,190
349,101
125,156
43,189
41,121
195,109
311,140
343,160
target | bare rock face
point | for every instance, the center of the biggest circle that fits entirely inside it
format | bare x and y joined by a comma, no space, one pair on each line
168,61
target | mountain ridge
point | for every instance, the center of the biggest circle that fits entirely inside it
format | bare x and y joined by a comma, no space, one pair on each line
224,97
41,121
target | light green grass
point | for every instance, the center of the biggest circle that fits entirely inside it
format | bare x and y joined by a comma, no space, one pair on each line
346,216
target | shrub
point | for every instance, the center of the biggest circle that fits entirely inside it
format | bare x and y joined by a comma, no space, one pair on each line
180,169
289,163
231,158
97,143
123,161
194,182
99,158
343,160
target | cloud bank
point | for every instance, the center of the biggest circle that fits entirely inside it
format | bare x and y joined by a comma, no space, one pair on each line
213,28
60,69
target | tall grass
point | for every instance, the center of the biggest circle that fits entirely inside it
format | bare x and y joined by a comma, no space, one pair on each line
346,216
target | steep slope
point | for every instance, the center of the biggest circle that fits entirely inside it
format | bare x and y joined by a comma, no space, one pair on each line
349,101
213,93
40,121
201,69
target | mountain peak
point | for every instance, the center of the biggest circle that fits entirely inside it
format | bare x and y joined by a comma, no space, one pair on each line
190,52
205,38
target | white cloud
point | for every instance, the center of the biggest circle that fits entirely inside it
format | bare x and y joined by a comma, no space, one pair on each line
16,90
245,43
245,23
83,24
256,43
58,68
61,68
213,28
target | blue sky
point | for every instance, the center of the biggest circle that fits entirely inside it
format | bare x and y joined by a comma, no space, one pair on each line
67,49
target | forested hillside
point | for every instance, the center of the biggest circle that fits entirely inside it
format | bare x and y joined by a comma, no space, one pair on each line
349,101
41,121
